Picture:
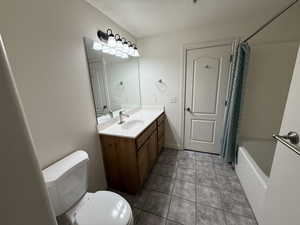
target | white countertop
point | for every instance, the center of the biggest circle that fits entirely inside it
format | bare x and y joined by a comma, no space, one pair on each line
138,121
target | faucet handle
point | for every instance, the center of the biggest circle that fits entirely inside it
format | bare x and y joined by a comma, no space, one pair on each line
121,113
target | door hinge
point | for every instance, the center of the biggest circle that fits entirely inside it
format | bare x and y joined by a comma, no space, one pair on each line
231,58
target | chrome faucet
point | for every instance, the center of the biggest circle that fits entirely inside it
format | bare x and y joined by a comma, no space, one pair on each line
121,114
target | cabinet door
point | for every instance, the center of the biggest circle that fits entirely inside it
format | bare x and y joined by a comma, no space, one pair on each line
161,141
161,136
161,129
142,138
143,161
152,150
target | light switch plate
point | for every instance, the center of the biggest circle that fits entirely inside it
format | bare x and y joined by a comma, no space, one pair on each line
172,99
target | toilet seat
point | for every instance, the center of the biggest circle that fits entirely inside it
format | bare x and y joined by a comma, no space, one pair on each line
101,208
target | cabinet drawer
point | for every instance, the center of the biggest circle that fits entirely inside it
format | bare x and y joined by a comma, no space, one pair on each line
145,135
161,118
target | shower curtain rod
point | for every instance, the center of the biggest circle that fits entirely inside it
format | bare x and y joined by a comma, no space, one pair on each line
271,20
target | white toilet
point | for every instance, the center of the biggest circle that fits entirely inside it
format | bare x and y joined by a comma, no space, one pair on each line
66,181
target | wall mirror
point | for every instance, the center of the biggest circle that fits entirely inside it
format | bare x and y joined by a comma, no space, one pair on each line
115,81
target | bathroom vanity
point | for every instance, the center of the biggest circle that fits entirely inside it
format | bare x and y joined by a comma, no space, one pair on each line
130,146
130,149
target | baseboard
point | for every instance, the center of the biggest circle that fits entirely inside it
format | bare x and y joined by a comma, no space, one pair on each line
173,145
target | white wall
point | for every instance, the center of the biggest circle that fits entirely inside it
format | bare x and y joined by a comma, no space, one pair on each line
44,41
162,57
23,193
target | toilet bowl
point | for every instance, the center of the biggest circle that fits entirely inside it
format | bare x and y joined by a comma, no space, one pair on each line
102,207
66,181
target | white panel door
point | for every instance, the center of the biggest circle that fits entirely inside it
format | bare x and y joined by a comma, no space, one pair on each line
207,72
282,204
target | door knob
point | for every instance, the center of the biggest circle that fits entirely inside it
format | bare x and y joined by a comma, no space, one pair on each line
292,136
188,109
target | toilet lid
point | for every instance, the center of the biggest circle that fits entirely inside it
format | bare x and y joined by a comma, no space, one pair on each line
104,208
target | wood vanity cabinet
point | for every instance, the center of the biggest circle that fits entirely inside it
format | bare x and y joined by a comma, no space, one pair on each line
128,161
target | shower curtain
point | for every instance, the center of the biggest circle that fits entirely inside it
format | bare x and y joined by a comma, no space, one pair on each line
239,72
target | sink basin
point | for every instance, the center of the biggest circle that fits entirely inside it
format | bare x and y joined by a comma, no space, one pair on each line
131,124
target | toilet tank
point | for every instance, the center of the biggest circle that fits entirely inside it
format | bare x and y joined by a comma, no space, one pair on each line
66,181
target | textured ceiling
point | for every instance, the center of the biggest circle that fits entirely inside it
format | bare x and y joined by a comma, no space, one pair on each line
152,17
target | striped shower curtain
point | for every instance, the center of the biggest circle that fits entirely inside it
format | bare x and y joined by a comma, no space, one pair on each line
232,115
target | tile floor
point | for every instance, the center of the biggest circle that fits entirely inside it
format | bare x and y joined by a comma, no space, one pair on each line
191,188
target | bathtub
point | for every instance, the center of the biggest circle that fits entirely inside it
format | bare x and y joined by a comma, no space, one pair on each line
253,167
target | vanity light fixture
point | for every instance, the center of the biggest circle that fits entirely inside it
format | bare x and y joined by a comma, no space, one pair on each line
115,45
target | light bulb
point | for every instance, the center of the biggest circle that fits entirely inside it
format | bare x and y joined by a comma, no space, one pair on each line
97,46
119,44
125,47
105,49
124,56
112,51
136,52
111,41
131,50
119,53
